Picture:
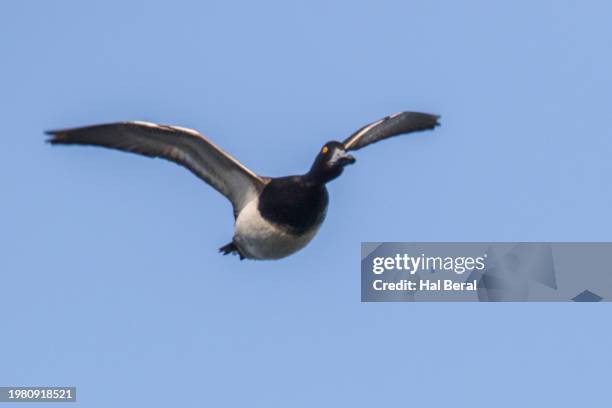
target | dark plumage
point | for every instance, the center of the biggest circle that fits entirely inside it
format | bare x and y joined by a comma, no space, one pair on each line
294,202
275,217
389,126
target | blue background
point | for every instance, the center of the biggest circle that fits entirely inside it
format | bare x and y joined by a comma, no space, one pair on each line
110,276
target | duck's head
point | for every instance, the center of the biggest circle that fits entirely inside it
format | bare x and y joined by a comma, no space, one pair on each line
330,162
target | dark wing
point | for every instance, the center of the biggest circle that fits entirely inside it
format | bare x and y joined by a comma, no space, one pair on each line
180,145
392,125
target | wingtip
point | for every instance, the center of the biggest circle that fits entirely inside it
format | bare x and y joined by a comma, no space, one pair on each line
54,136
428,117
50,135
432,120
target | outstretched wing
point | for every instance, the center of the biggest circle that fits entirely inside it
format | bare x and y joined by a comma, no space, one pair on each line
392,125
180,145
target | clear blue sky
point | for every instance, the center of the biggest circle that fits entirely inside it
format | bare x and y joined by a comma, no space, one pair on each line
110,276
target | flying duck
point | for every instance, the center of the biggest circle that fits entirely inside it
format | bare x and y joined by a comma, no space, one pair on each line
274,216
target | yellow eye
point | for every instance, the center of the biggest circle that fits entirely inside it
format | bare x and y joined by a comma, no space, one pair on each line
325,150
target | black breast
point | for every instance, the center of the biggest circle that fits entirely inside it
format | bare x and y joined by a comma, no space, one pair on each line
293,203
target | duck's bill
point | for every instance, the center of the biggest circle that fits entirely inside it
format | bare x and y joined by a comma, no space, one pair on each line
346,160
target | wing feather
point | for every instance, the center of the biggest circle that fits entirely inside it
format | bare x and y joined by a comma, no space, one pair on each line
183,146
392,125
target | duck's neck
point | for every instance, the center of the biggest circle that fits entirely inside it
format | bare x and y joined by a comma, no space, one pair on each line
317,176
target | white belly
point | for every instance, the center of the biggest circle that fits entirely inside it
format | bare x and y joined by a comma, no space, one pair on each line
258,238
